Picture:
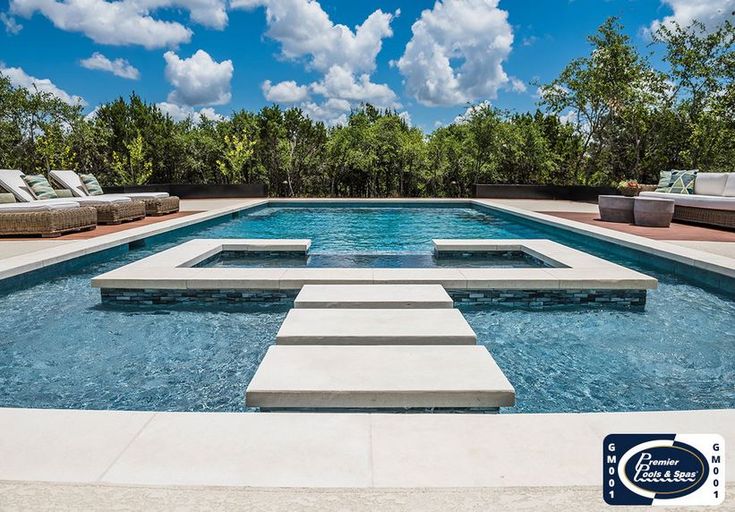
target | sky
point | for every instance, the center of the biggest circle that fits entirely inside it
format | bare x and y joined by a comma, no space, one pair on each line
426,59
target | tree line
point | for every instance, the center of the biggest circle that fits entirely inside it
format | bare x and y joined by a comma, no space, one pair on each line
608,116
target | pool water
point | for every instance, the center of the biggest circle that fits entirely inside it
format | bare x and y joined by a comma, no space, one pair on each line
242,259
62,348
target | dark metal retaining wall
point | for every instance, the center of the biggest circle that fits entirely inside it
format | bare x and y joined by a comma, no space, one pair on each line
187,191
570,192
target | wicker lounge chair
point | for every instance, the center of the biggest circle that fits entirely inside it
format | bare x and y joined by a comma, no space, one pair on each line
111,209
46,220
156,203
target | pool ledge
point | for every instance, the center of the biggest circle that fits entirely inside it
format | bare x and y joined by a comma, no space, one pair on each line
571,270
326,450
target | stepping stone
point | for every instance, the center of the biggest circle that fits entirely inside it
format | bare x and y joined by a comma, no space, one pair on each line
375,327
380,377
373,296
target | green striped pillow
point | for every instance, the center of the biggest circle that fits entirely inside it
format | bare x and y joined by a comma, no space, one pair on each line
40,186
91,184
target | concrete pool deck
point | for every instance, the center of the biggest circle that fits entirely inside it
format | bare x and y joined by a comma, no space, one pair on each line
549,461
550,452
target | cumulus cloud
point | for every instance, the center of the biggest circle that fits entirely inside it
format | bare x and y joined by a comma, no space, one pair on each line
710,12
118,67
517,85
125,22
182,112
284,92
345,58
341,83
456,52
12,27
332,112
20,78
114,23
304,30
198,80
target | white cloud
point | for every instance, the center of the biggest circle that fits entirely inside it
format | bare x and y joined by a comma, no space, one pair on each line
20,78
332,112
198,80
341,83
12,27
517,85
125,22
345,57
471,111
180,113
710,12
305,30
284,92
473,32
210,13
118,67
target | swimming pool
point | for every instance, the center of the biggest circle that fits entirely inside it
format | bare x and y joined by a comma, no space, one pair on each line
62,348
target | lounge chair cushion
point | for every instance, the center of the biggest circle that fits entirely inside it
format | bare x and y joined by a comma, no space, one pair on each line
12,181
36,206
146,195
91,184
679,182
70,181
102,200
40,186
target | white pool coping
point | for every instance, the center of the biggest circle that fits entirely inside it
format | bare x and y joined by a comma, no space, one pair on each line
327,450
571,269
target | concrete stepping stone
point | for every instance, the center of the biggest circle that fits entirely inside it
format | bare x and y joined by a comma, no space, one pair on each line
378,377
374,296
375,327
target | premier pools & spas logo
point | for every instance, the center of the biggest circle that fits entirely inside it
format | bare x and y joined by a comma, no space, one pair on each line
664,469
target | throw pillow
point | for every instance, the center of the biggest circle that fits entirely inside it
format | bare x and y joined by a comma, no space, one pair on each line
40,186
91,184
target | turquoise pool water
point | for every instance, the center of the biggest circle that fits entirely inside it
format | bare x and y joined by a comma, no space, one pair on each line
61,348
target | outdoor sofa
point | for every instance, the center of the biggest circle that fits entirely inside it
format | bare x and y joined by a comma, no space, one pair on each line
713,200
110,209
156,203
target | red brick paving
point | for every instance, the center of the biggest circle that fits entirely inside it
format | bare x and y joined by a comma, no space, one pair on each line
107,229
675,232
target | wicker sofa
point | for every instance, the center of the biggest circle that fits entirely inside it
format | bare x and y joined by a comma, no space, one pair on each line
713,201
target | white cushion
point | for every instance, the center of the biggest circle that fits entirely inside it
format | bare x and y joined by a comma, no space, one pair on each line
70,181
36,206
147,195
710,183
730,185
12,181
102,200
696,201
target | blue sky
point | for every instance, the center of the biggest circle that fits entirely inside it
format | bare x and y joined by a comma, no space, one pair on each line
214,56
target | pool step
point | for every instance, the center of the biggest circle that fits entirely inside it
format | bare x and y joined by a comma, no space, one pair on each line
373,296
375,327
379,377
